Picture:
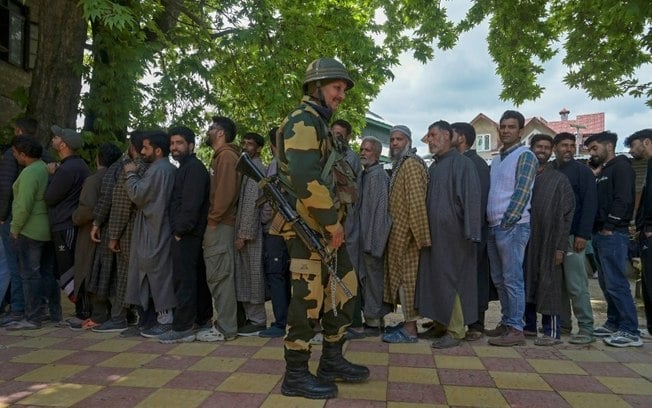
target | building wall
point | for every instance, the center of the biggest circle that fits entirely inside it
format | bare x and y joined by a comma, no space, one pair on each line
14,78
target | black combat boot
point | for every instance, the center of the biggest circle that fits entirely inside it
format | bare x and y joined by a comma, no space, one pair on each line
299,382
333,365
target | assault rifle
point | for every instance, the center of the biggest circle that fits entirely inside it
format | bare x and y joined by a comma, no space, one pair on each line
280,204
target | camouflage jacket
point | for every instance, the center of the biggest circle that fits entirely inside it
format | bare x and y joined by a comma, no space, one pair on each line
304,146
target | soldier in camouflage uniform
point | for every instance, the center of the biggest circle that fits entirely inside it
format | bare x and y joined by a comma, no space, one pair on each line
310,166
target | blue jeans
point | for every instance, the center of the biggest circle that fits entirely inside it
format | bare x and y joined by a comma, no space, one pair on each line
17,297
611,253
506,247
36,265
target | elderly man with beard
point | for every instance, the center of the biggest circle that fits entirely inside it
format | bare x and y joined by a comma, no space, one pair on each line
552,199
447,284
409,232
616,194
367,238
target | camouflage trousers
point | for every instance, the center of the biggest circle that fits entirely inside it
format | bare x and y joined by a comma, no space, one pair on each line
311,297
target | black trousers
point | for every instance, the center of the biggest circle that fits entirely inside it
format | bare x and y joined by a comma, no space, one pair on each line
277,276
194,302
646,277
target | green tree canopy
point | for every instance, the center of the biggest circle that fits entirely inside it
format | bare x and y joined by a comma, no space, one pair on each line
161,62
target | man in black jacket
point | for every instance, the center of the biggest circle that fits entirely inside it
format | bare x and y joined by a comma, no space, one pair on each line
615,184
640,147
62,199
188,212
575,290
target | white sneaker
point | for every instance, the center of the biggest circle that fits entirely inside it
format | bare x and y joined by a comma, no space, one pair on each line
210,335
317,340
645,334
623,339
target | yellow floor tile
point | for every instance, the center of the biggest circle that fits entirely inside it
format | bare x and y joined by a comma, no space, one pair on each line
422,347
643,369
555,366
249,341
519,381
115,345
168,397
281,401
492,351
43,331
589,400
393,404
223,364
459,362
370,390
270,353
368,358
413,375
39,342
60,395
147,377
128,360
193,349
51,373
89,334
622,385
474,397
587,355
42,356
248,382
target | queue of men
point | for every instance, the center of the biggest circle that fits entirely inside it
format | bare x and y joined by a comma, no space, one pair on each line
182,253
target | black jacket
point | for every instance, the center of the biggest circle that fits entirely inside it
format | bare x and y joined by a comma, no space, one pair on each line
9,170
189,206
62,193
644,212
616,194
586,196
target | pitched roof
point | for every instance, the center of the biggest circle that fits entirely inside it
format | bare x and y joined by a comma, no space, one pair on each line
593,122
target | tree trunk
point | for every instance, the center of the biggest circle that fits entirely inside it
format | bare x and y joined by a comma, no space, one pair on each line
56,81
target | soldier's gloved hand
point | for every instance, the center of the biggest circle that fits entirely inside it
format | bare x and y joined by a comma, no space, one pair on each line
337,237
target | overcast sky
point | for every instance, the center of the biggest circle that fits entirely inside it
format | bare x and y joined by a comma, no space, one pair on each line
460,83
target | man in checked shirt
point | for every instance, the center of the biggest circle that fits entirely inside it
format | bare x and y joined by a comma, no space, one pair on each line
508,215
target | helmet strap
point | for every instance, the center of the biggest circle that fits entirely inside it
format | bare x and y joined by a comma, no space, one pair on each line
320,95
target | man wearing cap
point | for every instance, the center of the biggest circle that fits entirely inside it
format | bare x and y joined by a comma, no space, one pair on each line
62,199
305,149
409,232
616,192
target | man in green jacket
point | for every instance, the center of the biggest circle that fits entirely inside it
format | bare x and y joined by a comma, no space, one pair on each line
31,231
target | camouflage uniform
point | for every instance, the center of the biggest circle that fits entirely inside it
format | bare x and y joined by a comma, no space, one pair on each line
305,145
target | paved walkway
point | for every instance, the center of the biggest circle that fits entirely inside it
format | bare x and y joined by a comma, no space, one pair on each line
59,367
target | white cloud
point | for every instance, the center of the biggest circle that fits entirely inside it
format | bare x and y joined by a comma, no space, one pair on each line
460,83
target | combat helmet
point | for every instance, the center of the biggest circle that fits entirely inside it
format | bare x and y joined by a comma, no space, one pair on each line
326,68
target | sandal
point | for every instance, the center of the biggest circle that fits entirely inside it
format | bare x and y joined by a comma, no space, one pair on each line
581,339
546,341
399,336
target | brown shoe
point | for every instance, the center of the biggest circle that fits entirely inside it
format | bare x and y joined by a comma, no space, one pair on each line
513,337
497,332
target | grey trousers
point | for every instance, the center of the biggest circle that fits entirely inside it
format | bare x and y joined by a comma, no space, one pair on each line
219,256
575,291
